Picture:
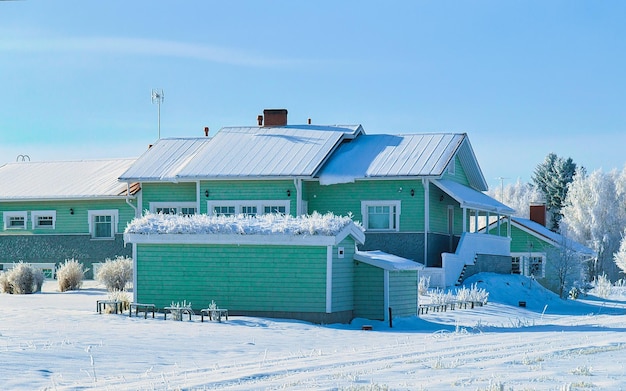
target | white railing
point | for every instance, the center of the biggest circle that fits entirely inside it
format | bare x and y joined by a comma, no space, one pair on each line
469,246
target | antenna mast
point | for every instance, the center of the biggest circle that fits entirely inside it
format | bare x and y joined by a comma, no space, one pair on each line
157,97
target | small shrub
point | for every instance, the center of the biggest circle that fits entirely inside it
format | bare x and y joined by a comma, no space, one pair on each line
22,279
602,286
70,275
423,285
116,274
573,293
121,296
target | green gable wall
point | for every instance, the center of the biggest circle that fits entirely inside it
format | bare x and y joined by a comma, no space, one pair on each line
459,173
521,241
241,278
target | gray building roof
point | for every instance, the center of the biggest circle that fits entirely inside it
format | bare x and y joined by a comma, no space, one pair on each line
242,152
417,155
58,180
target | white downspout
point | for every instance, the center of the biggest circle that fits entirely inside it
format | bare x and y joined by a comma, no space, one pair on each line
135,272
128,199
426,184
198,196
329,279
297,182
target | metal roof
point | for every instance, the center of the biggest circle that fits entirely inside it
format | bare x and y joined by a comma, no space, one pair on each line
384,156
63,180
242,152
164,159
470,198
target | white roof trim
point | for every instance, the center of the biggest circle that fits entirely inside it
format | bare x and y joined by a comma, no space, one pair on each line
258,240
386,261
472,199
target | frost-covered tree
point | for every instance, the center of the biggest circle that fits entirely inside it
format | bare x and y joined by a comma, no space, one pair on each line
620,255
552,177
594,215
518,196
567,267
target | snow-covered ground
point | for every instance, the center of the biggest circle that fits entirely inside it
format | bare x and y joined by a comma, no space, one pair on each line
58,341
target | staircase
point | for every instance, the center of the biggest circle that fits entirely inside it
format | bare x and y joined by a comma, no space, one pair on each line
460,280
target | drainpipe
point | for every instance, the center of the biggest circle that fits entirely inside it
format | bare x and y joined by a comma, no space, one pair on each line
297,182
426,184
128,199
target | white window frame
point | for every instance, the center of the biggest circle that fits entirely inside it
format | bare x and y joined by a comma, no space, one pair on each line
114,213
36,214
6,217
173,205
393,223
524,259
239,204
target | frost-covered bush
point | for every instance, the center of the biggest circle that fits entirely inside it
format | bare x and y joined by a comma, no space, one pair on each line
478,295
22,279
423,285
121,296
70,275
441,297
602,286
116,274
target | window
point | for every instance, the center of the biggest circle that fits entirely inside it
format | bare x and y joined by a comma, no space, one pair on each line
452,167
14,220
247,208
274,209
528,264
174,208
44,219
223,210
103,223
381,215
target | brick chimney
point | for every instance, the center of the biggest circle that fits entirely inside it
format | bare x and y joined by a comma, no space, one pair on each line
538,213
275,117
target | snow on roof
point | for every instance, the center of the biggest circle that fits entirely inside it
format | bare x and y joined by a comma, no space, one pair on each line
268,224
383,155
470,198
243,152
164,159
556,238
63,179
265,152
386,261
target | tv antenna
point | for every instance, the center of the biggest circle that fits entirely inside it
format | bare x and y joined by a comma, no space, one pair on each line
157,97
502,178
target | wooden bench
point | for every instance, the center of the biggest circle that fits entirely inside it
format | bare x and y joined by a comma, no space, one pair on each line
141,307
116,304
213,313
177,312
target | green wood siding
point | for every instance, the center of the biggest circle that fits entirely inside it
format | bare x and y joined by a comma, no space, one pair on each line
342,199
67,223
439,212
245,278
167,192
459,173
403,292
369,290
521,241
248,190
343,277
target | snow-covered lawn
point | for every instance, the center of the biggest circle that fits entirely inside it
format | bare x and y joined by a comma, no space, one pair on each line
58,341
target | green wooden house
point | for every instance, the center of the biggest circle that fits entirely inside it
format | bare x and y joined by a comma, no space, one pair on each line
418,197
554,260
53,211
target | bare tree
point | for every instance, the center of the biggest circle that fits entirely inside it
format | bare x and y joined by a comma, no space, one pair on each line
566,264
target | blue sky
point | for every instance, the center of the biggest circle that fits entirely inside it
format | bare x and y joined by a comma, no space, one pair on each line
522,78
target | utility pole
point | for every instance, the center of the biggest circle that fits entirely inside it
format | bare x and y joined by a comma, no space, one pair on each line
501,178
157,97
